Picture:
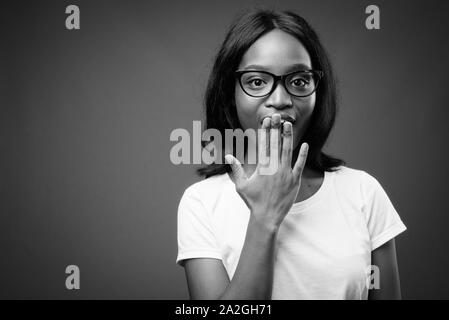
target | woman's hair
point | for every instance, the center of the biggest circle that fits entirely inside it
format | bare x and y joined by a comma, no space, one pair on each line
219,97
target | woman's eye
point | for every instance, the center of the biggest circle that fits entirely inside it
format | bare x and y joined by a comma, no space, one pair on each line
299,82
256,82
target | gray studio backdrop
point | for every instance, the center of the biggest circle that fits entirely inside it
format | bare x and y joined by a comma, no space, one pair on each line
86,116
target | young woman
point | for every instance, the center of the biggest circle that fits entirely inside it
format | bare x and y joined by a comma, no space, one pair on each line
314,229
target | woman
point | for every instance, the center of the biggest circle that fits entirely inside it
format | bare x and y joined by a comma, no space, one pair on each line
314,229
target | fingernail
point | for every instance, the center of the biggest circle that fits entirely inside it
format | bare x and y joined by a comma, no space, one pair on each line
306,147
266,122
228,159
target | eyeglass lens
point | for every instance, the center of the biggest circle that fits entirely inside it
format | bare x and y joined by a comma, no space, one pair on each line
259,84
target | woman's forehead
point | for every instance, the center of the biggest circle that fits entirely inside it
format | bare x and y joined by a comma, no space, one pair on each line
276,51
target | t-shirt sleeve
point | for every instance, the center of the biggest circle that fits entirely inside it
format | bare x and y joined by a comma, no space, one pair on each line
196,238
382,218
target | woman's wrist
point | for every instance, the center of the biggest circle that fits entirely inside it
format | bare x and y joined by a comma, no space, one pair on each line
262,225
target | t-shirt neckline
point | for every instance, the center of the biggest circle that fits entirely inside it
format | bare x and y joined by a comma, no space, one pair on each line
316,197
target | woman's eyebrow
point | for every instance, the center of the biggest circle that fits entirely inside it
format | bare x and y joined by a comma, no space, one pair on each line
292,67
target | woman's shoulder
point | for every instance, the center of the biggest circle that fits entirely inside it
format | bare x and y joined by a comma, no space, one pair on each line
345,172
210,186
357,178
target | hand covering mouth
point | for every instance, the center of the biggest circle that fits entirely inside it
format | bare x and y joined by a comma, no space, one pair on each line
284,117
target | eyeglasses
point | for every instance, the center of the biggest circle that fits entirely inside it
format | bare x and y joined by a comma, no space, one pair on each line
262,83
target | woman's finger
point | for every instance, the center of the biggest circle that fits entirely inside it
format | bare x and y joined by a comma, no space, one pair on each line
301,161
237,175
275,138
287,145
262,142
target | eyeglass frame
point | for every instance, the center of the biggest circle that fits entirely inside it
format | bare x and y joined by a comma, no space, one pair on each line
282,78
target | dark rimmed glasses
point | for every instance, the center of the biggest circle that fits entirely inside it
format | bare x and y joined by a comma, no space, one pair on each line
259,84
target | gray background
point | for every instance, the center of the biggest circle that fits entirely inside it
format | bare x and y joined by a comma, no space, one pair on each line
86,117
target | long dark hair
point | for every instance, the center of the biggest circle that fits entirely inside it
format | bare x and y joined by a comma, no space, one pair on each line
219,98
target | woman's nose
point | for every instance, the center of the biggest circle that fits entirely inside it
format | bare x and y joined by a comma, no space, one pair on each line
279,98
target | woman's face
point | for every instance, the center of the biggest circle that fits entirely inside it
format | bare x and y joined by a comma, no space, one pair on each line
279,53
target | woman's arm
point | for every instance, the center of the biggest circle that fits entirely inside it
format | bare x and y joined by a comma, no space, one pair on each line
253,278
384,258
269,198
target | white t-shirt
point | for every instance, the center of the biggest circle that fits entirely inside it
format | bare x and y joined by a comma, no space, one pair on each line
323,248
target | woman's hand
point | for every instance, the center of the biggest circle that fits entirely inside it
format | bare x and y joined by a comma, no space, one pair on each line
270,197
